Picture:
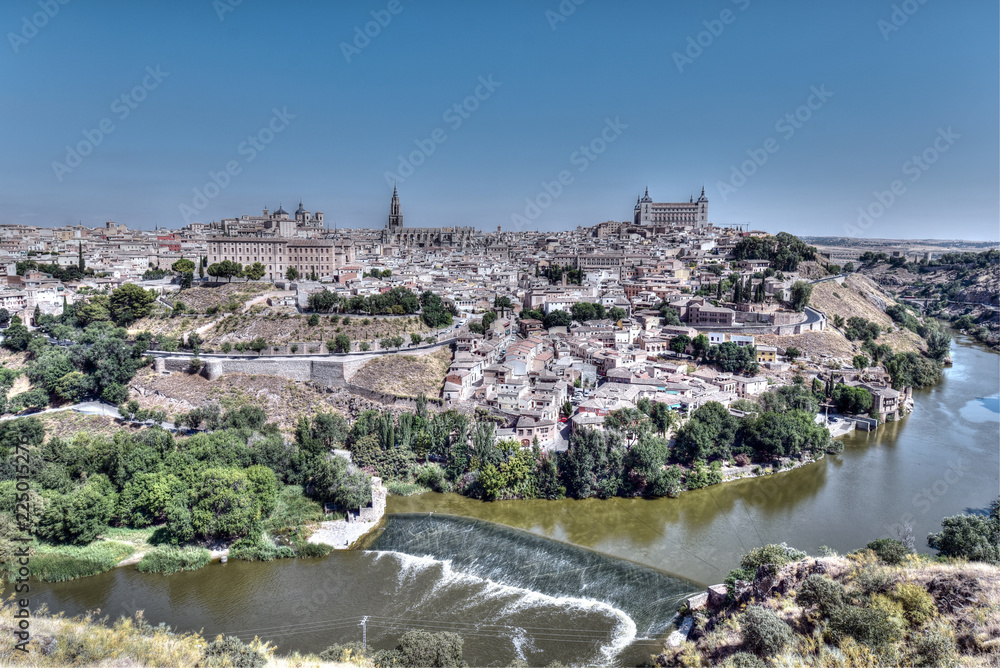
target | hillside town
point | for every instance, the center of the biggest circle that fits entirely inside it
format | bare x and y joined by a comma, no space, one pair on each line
550,332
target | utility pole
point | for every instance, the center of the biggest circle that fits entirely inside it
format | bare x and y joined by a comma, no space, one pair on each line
364,631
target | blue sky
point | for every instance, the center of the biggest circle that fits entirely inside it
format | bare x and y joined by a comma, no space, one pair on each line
629,80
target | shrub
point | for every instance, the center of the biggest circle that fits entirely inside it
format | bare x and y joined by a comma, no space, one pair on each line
764,633
889,550
168,560
342,652
918,604
313,550
232,652
873,580
821,591
431,476
742,460
935,646
250,549
744,660
871,626
226,347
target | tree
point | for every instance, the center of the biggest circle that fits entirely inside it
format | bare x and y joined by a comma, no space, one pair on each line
255,272
557,319
292,274
668,314
700,345
938,344
80,263
972,537
4,317
183,266
226,269
341,344
680,343
855,400
709,434
130,303
732,358
860,362
323,301
801,292
793,353
617,313
415,339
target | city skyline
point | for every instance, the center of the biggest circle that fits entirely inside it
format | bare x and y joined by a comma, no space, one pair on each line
849,120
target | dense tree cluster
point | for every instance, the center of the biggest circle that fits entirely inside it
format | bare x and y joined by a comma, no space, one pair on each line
713,433
239,482
784,251
397,301
100,363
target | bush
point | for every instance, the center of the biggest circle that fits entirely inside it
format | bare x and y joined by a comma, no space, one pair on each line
342,652
821,591
168,560
871,626
935,646
764,633
313,550
744,660
431,476
918,604
249,549
889,550
231,652
69,563
872,580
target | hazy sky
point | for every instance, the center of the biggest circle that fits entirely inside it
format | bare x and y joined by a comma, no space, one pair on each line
122,110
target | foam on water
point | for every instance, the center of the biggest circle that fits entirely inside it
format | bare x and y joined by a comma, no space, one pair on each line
521,599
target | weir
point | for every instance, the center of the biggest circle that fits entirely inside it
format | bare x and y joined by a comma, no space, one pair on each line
514,558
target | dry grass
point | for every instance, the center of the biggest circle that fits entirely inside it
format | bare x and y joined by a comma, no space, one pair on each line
857,297
406,375
126,643
66,424
966,597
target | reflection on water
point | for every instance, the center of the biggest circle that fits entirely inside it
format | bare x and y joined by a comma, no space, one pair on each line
986,409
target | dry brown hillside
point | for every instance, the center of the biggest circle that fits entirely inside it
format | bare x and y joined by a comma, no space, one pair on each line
406,375
859,296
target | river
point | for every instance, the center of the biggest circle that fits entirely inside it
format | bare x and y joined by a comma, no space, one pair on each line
586,580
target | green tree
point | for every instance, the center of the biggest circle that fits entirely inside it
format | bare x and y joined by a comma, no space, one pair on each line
972,537
855,400
700,345
860,362
680,343
801,293
130,303
183,266
255,272
557,319
793,353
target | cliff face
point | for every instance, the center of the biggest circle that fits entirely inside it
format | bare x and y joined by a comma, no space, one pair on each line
838,611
